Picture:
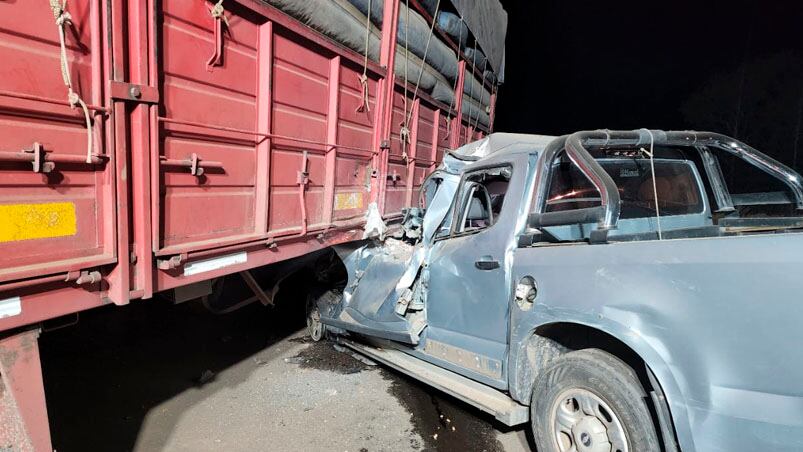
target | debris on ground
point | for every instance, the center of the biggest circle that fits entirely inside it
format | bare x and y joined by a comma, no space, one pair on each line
205,377
295,360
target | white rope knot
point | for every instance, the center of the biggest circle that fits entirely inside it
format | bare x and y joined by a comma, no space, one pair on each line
404,136
73,98
58,8
364,105
219,13
63,18
217,10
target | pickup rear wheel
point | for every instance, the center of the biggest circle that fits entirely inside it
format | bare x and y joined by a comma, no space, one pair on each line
591,401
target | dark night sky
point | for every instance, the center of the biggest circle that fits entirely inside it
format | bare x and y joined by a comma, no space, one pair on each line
734,67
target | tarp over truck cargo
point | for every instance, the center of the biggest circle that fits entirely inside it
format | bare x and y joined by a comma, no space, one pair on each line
345,22
487,21
415,35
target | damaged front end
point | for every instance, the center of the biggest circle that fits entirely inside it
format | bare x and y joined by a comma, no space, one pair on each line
386,292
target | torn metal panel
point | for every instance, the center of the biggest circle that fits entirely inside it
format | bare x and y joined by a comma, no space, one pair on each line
374,225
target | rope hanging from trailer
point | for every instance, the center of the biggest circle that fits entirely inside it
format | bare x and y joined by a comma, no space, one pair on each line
651,153
63,19
404,131
454,86
219,13
471,87
364,104
408,116
494,92
482,85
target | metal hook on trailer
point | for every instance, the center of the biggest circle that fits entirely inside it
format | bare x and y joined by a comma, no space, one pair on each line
219,16
302,181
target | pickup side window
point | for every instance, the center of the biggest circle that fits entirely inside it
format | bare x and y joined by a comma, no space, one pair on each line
482,195
675,183
674,186
428,190
570,189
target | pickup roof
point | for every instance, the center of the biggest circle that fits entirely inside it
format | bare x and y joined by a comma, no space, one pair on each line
605,286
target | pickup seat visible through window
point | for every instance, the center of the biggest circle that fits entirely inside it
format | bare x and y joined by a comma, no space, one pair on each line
484,194
680,199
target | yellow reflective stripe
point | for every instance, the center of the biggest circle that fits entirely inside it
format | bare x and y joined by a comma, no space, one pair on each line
36,221
345,201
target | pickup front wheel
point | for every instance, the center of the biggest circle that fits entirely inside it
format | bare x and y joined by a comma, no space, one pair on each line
591,401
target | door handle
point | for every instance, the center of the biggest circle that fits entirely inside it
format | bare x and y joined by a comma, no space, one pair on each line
486,263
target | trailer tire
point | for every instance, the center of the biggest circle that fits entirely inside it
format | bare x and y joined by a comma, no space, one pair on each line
212,301
592,399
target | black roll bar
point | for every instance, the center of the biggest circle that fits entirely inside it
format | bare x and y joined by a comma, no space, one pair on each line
577,147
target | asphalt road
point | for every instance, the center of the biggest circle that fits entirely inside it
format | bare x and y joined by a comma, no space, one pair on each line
152,376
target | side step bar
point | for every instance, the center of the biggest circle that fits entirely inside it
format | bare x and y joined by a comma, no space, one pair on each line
500,405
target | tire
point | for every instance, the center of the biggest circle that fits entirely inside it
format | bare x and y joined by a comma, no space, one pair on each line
315,329
592,401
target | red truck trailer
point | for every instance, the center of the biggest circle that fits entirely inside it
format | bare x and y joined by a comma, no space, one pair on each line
149,145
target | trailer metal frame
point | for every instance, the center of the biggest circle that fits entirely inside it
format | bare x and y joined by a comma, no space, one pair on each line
297,175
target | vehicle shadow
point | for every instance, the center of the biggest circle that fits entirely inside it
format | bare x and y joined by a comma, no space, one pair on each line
112,371
447,424
105,374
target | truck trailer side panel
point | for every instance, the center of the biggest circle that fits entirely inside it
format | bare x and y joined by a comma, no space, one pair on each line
222,136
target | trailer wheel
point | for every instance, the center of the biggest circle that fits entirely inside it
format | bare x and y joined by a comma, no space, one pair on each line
591,401
212,302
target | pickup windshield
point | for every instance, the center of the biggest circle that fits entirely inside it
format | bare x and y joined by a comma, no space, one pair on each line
675,182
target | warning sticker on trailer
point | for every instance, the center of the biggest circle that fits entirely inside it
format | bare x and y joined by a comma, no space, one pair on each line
215,263
346,201
10,307
36,221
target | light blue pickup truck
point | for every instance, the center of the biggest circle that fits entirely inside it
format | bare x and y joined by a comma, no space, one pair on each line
611,288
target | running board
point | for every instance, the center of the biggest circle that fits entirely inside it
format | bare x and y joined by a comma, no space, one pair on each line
500,405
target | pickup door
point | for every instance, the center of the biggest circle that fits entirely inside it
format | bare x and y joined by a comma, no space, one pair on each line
462,321
468,297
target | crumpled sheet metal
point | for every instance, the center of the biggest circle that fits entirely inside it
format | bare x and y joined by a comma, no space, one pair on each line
374,225
497,142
